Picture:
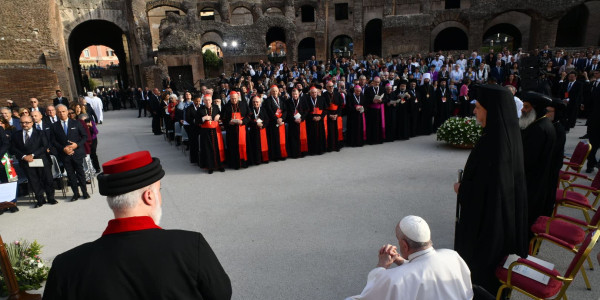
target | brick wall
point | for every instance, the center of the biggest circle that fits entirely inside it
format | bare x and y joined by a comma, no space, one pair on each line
20,84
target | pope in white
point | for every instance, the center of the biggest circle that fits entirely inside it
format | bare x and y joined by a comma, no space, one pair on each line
96,104
422,273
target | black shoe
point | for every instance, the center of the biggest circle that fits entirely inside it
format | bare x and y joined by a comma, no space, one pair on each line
38,205
210,171
52,201
585,136
589,170
86,196
13,209
74,198
222,169
139,116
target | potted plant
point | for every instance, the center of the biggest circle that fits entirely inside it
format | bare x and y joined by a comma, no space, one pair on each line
29,268
460,132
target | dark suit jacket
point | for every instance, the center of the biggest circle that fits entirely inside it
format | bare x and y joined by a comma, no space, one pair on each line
75,133
154,103
42,110
498,74
16,123
64,101
37,145
47,130
4,142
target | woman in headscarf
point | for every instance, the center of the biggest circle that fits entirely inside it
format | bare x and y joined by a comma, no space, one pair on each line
491,215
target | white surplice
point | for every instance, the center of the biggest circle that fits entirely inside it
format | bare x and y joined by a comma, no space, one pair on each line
428,274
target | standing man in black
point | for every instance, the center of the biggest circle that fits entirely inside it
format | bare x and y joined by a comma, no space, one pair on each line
29,144
60,99
68,137
593,128
571,92
155,111
192,129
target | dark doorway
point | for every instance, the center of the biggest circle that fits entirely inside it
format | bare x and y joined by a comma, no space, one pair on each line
572,27
502,35
451,38
308,13
275,34
342,45
97,32
451,4
373,37
306,49
183,77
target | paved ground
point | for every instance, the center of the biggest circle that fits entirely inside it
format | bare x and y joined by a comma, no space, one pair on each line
298,229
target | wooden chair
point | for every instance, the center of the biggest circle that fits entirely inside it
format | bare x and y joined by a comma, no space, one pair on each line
575,162
11,280
557,285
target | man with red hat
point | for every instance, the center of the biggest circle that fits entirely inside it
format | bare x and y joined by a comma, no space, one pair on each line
135,258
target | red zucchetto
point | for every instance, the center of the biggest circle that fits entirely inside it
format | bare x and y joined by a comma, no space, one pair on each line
128,173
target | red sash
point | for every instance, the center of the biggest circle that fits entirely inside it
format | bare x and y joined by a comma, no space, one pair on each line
340,124
332,107
303,138
264,145
282,140
325,125
317,111
241,136
220,143
210,124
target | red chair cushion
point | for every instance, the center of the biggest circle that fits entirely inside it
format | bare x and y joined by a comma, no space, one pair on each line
538,289
565,231
564,176
574,197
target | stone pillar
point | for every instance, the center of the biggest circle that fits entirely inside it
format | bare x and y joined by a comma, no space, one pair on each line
357,22
543,32
224,11
475,34
592,32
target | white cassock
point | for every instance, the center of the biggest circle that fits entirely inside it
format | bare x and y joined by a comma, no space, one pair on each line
429,274
96,105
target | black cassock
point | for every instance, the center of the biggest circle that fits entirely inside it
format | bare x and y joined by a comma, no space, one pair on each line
403,116
256,143
315,130
355,134
235,158
414,109
492,198
557,160
427,108
391,116
443,106
192,131
210,156
335,98
275,108
539,139
373,115
142,264
293,143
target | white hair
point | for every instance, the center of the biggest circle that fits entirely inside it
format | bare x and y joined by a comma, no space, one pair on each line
127,200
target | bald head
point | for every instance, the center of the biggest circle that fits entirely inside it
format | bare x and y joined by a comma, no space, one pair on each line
37,116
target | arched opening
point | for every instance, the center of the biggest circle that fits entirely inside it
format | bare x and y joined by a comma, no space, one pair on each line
451,38
276,47
99,67
373,37
241,16
210,14
155,16
87,34
307,13
571,30
342,45
502,35
306,49
212,56
273,11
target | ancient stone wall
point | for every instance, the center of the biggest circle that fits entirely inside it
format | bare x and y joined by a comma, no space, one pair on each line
20,84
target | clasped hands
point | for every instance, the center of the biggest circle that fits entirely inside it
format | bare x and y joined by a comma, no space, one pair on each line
388,254
317,118
70,149
235,122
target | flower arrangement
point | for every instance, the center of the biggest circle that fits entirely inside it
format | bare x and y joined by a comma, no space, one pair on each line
460,132
29,267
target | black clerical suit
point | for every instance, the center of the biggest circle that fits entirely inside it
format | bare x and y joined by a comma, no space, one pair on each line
40,178
143,264
62,100
155,109
192,131
275,108
237,153
72,163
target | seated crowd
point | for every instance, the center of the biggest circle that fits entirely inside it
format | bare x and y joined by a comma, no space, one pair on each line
38,139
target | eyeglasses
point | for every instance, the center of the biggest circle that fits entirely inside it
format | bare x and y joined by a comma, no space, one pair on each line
26,122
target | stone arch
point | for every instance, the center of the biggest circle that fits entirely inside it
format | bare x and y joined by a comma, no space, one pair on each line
572,26
158,3
451,38
155,17
115,17
504,29
444,25
342,44
242,15
306,48
273,11
217,14
372,41
213,36
517,19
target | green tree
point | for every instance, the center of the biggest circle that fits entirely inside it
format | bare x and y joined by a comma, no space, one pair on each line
211,61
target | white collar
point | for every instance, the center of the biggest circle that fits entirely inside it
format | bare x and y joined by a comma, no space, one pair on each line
419,254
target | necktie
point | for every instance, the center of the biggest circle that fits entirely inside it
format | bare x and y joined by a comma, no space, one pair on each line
569,87
26,137
65,127
39,127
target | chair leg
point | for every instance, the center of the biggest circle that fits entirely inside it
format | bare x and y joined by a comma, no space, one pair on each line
584,275
590,263
499,294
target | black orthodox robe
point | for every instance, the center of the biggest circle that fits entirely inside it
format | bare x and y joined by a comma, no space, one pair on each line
404,108
443,106
356,127
414,104
427,108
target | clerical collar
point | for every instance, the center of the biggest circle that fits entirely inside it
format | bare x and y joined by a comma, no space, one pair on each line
418,254
129,224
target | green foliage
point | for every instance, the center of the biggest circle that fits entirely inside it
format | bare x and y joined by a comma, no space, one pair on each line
29,267
211,60
92,84
460,131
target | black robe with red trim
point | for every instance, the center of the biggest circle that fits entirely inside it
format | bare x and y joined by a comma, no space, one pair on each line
315,130
135,259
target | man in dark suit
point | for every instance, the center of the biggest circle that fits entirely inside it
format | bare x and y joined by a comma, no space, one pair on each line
155,111
191,128
594,66
35,106
498,72
7,115
69,136
29,144
50,115
124,260
571,93
60,99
